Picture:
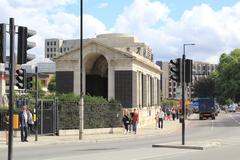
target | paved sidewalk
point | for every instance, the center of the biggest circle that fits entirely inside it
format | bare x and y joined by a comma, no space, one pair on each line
169,127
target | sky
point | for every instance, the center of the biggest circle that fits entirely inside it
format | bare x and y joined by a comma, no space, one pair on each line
165,25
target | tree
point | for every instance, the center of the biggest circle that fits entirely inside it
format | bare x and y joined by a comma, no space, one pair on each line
228,77
52,85
204,88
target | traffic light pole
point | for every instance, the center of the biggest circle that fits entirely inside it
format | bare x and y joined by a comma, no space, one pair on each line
36,103
183,96
81,103
11,87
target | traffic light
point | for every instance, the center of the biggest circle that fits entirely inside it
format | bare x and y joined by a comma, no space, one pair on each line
175,68
29,82
2,43
21,76
188,70
23,45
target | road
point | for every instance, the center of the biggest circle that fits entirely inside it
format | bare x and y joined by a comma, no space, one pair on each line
225,130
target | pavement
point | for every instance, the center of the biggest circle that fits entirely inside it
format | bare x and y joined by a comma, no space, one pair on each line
149,131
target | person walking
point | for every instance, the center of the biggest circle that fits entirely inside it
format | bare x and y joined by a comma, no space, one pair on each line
23,120
161,118
6,126
130,122
135,121
168,112
173,111
30,122
126,121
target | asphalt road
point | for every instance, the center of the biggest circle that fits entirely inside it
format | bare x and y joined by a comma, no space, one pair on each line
225,130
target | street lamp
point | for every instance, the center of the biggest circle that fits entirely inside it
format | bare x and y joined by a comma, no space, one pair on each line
183,92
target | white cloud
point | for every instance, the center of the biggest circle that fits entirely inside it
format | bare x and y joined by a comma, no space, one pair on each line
92,26
214,32
48,19
103,5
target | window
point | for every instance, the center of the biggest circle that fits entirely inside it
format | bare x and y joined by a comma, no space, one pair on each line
55,43
51,50
47,49
51,56
64,49
51,43
61,50
47,43
54,49
54,55
47,55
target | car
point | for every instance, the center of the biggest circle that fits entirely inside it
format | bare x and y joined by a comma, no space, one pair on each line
232,108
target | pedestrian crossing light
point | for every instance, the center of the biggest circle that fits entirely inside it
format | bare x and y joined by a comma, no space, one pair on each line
20,78
23,45
175,68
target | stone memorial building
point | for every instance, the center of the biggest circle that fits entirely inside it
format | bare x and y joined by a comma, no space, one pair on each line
115,66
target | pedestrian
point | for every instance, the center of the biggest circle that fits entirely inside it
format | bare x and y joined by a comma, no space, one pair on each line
6,126
23,121
135,121
157,119
126,122
173,111
130,122
161,118
177,113
30,122
168,112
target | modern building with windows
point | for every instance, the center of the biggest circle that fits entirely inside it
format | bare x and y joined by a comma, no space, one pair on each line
115,66
55,47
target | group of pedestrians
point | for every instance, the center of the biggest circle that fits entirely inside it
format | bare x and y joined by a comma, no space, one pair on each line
166,114
130,121
26,123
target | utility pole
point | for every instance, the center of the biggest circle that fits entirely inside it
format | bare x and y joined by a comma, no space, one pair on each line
183,81
36,103
81,103
11,86
183,95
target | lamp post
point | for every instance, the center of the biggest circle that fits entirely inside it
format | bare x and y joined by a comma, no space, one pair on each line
81,103
183,92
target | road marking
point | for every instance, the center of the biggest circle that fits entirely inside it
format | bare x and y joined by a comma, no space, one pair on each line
230,115
212,125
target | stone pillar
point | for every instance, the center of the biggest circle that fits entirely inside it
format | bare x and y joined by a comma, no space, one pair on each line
111,84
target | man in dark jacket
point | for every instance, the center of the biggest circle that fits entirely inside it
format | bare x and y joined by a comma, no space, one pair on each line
23,121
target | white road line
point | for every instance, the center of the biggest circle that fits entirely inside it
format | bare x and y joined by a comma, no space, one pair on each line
230,115
212,125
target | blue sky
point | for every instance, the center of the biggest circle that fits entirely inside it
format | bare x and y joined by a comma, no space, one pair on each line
213,25
109,14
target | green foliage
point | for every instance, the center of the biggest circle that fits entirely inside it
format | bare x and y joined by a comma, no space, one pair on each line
169,103
94,100
204,88
228,77
52,85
